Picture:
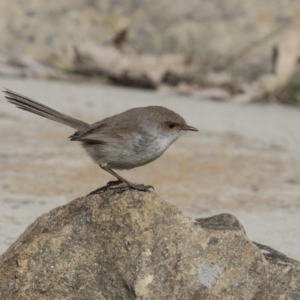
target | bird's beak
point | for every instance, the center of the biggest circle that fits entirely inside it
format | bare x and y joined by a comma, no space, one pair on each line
190,128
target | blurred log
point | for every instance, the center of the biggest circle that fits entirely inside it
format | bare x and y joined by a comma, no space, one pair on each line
286,54
146,71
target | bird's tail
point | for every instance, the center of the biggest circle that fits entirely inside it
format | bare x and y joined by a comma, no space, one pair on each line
27,104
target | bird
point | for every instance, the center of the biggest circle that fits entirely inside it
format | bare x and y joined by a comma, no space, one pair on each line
123,141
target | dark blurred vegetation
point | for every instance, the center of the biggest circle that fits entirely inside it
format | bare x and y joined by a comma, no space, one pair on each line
289,93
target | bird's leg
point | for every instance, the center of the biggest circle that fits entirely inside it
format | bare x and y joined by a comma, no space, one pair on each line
130,185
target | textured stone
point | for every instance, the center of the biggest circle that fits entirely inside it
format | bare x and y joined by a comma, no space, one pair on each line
135,246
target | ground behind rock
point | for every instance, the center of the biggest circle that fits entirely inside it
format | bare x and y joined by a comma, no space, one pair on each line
245,160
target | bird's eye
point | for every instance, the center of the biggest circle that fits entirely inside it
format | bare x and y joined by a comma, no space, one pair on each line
171,125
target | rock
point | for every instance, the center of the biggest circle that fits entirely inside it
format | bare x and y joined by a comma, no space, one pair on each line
11,71
136,246
28,67
33,68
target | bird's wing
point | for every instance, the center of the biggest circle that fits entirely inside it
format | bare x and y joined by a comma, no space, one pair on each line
100,132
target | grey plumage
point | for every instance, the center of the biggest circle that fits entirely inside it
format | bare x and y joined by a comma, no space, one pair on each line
27,104
123,141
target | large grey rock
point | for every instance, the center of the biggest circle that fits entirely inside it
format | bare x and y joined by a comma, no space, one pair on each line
136,246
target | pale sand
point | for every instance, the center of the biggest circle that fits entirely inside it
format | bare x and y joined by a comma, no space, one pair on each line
245,160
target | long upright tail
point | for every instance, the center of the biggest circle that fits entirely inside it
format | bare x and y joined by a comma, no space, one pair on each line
27,104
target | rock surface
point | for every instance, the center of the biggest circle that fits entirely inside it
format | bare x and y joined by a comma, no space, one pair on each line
135,246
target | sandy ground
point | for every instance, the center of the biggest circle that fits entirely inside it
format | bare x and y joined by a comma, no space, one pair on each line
245,160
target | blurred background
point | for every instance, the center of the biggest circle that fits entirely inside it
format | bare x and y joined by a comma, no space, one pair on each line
205,49
230,68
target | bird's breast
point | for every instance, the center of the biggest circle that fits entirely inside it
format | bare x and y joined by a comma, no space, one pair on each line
132,151
146,148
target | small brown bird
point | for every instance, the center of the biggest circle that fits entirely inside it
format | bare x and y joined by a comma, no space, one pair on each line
124,141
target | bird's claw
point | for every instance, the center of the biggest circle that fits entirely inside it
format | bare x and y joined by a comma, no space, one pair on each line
105,188
132,186
141,187
111,185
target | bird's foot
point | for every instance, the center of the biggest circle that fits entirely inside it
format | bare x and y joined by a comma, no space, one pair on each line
113,183
118,187
106,187
131,186
141,187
